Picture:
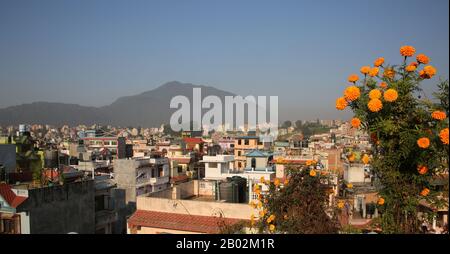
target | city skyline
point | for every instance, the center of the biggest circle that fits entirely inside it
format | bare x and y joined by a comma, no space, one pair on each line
87,54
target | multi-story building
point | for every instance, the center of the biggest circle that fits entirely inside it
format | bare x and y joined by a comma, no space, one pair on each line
243,145
57,209
110,208
99,143
227,144
138,176
182,210
141,147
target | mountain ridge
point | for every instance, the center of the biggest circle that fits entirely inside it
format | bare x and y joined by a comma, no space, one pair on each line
145,109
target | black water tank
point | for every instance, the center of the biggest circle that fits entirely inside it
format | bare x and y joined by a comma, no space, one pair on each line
228,192
241,188
233,190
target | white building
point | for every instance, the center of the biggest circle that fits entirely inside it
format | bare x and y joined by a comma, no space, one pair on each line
356,173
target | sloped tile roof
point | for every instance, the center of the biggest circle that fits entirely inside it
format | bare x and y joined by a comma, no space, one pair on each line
193,140
181,222
10,197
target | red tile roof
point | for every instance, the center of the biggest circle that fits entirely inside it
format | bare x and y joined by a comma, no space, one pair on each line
181,160
180,178
10,197
181,222
193,140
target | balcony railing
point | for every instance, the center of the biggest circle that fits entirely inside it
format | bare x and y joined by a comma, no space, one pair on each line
159,180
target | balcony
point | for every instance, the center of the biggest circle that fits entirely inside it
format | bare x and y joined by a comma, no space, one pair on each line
159,180
265,169
105,217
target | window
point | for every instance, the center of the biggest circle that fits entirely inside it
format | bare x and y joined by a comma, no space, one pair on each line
180,169
239,165
239,153
10,225
240,142
231,145
253,162
247,142
100,203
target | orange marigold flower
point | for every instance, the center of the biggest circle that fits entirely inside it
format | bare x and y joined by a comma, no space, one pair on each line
355,122
425,192
383,85
390,95
374,94
423,142
389,73
352,157
340,204
380,201
375,105
352,93
423,59
407,51
365,70
262,180
443,135
365,159
349,185
410,68
378,62
286,181
422,169
312,173
276,182
414,64
341,103
353,78
423,75
374,71
429,70
438,115
272,227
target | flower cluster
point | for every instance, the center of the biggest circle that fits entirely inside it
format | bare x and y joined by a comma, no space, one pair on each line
381,98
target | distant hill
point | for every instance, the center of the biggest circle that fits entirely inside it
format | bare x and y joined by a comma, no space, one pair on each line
148,109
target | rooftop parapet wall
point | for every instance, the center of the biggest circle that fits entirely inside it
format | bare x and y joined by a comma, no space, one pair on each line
194,207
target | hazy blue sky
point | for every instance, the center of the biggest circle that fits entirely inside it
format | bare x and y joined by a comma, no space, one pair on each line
92,52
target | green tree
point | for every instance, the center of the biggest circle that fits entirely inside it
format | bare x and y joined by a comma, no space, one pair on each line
299,206
286,124
400,124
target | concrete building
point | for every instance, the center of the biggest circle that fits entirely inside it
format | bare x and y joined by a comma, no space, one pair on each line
243,145
227,144
58,209
110,209
138,176
99,143
218,167
356,173
181,210
7,158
